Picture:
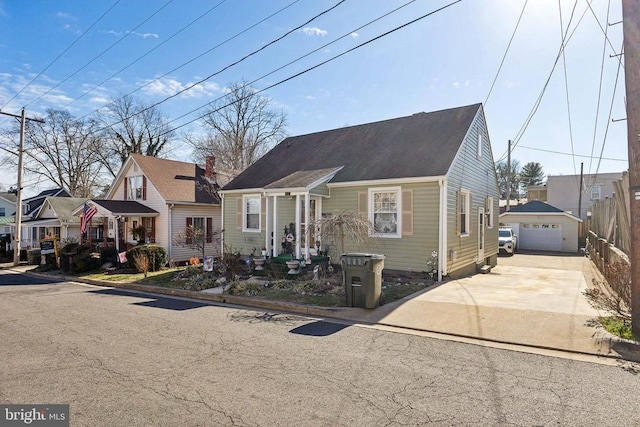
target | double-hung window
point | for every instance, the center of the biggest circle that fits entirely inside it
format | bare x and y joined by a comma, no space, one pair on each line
489,212
135,187
385,211
251,213
464,204
595,192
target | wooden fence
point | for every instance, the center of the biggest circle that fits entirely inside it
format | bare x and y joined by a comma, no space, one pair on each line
610,218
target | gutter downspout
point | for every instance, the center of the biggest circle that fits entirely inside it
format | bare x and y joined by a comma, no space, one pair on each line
221,224
442,230
170,234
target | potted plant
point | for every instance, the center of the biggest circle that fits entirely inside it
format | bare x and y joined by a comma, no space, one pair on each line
138,233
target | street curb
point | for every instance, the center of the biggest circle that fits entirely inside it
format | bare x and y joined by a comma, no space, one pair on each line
627,350
219,298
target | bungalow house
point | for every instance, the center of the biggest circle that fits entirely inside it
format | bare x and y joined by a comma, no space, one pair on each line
154,200
31,208
54,218
426,182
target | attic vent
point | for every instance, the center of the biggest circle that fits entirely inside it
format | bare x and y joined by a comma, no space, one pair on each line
185,178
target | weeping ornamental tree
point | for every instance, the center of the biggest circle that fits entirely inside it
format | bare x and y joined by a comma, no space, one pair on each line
345,226
240,128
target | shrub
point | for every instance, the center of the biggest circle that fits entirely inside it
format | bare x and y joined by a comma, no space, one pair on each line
141,261
201,281
157,255
247,289
109,255
85,262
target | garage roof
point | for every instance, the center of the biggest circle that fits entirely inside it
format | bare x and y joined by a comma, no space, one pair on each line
538,207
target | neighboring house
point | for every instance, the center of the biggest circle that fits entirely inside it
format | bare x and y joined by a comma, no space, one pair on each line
542,227
163,197
55,218
30,209
563,191
7,211
427,182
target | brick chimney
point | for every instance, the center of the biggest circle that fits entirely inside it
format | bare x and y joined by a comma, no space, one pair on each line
210,167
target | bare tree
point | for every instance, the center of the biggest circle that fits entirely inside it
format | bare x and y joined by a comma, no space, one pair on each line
197,238
62,150
132,127
502,172
241,127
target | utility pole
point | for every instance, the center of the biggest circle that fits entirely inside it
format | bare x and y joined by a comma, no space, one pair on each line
509,176
580,193
631,30
18,234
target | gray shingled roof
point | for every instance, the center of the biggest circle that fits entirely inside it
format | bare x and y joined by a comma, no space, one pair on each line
420,145
535,206
125,207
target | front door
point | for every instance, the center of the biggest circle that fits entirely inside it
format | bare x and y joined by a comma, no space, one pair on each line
480,235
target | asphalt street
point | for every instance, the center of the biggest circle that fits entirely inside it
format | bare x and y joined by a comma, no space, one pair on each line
123,358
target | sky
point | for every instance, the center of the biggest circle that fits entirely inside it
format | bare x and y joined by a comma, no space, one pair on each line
341,65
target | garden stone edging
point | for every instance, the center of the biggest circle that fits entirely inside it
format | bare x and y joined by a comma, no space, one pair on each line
220,298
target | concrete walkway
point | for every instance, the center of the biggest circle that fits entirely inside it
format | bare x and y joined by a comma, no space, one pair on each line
532,300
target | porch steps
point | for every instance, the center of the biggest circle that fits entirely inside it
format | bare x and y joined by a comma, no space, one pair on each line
485,269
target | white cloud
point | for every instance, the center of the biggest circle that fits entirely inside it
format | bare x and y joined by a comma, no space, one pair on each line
99,100
64,15
314,31
112,32
466,83
355,35
456,84
170,86
144,35
310,97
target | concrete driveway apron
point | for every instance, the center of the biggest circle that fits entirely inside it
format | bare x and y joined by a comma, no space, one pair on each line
527,299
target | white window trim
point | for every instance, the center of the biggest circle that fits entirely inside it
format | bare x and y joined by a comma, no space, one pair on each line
479,144
244,213
489,211
467,216
398,191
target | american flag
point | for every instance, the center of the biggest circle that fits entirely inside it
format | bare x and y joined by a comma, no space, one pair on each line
87,213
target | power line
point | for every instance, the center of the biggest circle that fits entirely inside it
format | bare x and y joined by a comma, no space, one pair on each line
127,34
595,125
536,104
191,86
572,154
319,64
603,30
345,35
606,131
60,55
566,81
505,53
196,57
146,54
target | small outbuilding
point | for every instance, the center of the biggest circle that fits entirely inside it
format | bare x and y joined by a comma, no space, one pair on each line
542,227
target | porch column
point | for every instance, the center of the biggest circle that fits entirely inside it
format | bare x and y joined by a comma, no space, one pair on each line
274,248
269,226
116,239
307,216
298,226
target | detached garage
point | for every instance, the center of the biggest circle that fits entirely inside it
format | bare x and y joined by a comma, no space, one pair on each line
542,227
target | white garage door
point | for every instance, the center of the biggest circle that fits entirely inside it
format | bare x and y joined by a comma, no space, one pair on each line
540,237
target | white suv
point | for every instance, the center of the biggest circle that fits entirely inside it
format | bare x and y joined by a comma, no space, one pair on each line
507,241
